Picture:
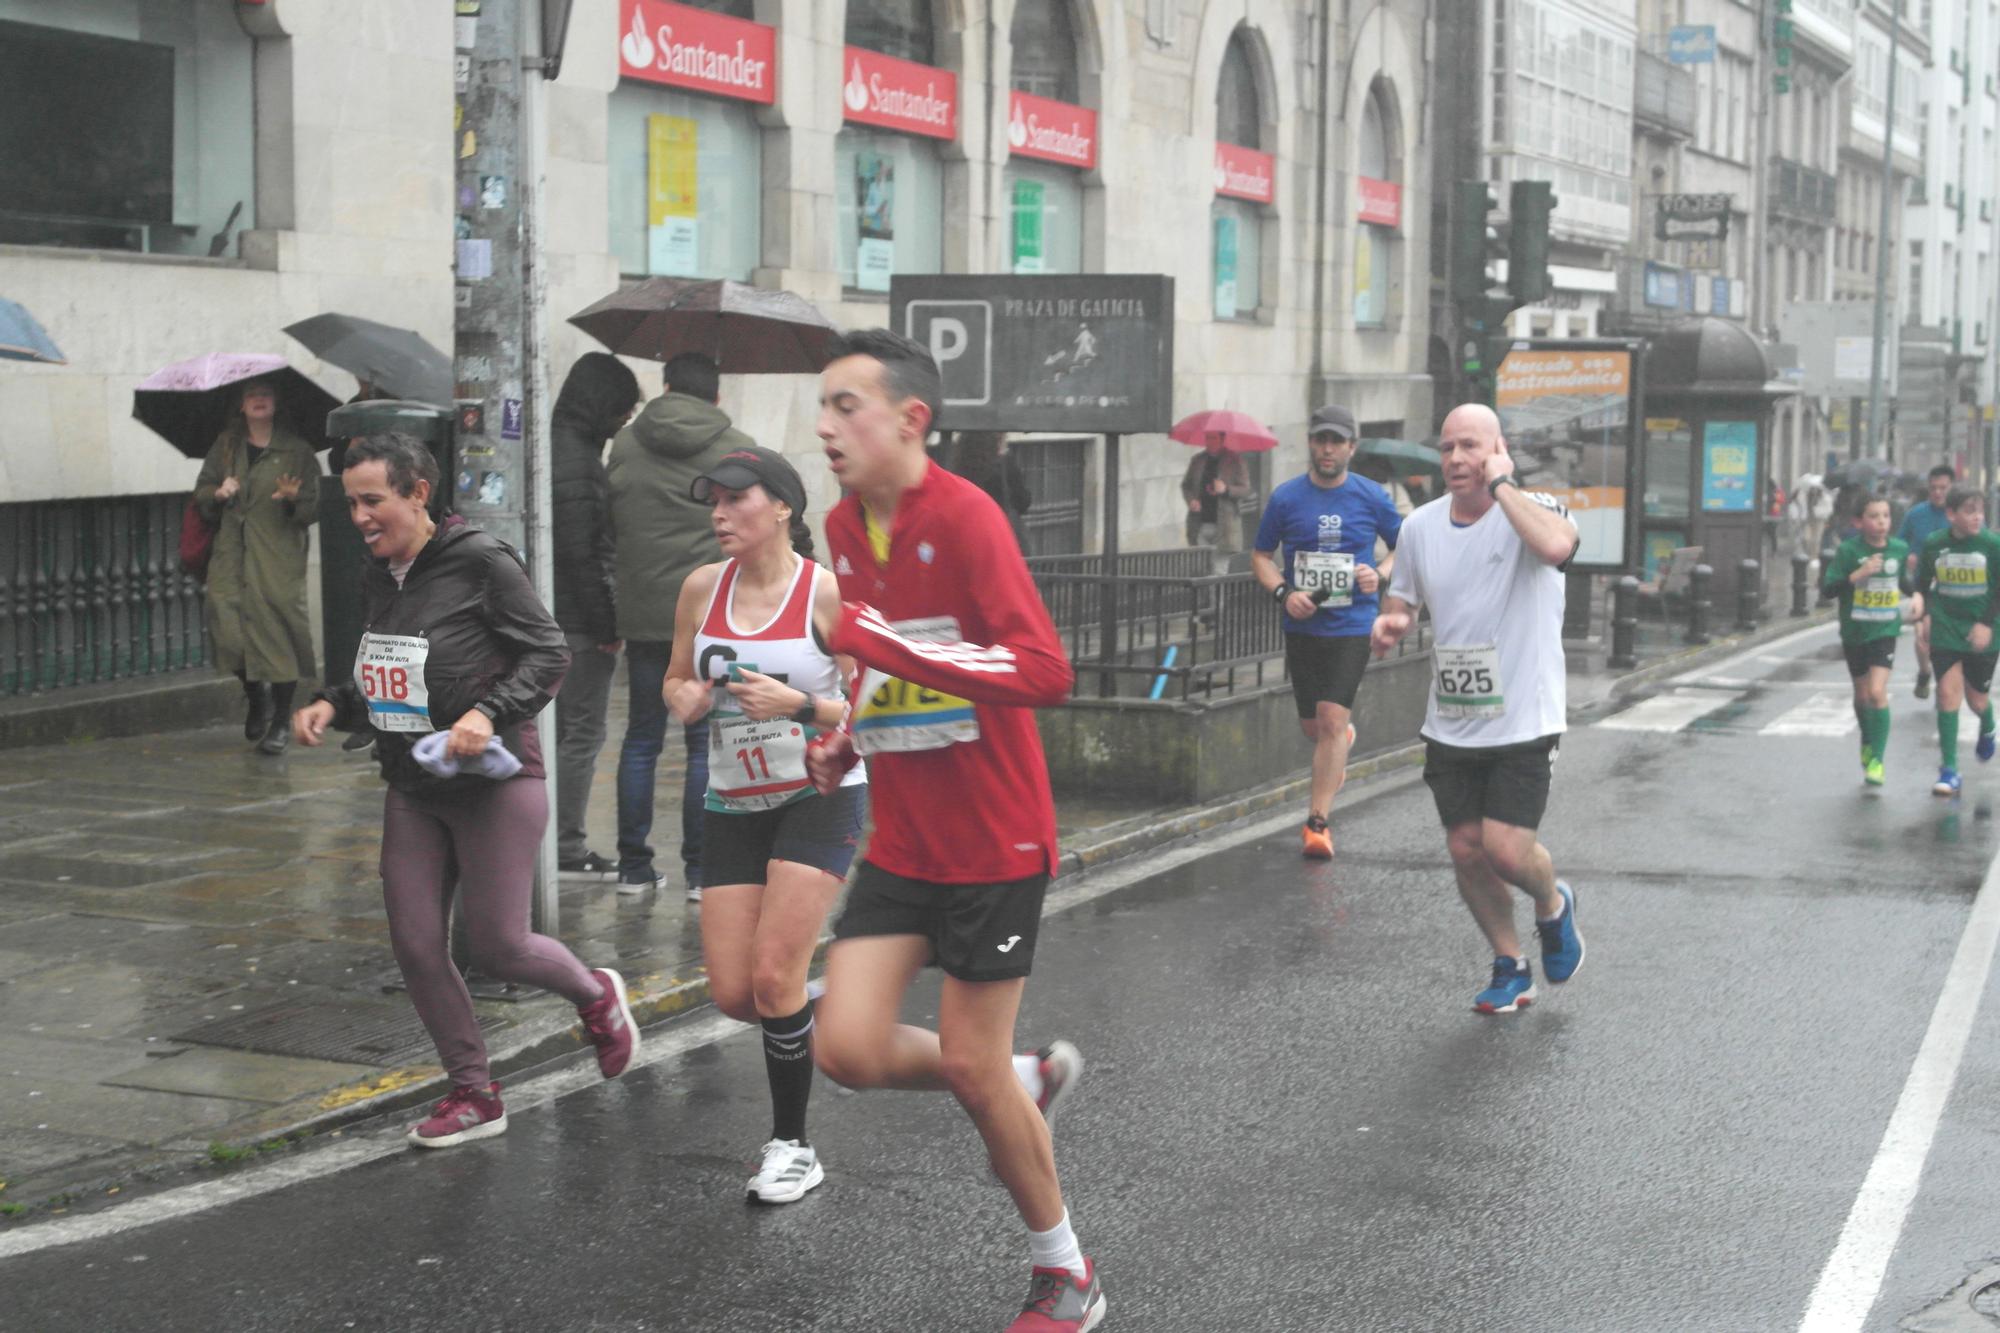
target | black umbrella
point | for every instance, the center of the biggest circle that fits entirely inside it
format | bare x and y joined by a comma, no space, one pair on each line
396,361
748,330
188,403
1858,472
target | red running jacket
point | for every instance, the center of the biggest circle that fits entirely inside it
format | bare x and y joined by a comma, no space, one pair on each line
976,811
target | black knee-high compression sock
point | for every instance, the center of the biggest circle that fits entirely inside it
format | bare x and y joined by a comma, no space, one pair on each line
788,1065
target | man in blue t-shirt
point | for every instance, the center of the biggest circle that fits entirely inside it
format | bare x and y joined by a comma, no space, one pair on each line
1918,525
1327,521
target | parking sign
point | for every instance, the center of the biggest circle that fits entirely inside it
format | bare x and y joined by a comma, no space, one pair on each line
959,335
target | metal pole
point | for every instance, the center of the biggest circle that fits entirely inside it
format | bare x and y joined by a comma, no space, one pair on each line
1882,250
545,912
1107,601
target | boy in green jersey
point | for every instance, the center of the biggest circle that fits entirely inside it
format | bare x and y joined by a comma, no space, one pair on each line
1870,573
1956,574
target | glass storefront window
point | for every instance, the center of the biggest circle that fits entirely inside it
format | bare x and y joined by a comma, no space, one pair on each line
1044,49
686,184
889,205
1047,204
126,126
1238,253
1374,248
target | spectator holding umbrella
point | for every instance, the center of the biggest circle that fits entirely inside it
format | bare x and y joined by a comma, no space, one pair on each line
259,485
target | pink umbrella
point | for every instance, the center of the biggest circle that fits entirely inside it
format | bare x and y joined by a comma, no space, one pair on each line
188,403
1234,431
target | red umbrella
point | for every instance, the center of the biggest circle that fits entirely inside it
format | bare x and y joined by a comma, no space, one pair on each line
1234,431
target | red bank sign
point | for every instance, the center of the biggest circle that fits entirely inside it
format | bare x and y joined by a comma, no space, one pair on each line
899,94
1052,131
692,48
1245,173
1381,202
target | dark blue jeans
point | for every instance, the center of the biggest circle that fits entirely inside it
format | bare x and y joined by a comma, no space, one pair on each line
638,760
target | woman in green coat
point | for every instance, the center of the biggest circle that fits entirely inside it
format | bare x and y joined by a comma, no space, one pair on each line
260,484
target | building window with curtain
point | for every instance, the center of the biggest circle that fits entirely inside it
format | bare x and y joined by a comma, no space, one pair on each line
685,150
1051,142
1378,211
888,172
1245,185
127,127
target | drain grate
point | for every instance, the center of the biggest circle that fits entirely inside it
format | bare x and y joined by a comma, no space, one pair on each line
349,1033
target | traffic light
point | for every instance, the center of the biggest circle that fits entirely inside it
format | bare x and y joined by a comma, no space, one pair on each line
1529,205
1471,201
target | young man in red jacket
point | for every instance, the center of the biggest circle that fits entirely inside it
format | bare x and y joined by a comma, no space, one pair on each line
954,648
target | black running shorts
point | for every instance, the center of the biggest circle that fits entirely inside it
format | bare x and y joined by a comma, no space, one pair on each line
1877,652
1978,666
1508,783
820,831
1325,669
977,932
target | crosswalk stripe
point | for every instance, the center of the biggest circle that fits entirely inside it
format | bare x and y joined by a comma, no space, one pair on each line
1825,714
1666,712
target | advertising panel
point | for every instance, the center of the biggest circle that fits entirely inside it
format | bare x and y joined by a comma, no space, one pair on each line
1568,412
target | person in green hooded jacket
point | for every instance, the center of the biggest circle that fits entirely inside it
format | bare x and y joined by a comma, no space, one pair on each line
260,485
662,535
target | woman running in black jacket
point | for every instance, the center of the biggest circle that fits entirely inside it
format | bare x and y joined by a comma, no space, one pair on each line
456,641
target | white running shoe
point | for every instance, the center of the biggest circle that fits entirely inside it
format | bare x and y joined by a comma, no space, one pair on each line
1062,1068
789,1171
694,893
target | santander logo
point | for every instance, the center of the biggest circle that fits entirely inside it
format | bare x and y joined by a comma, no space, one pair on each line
899,94
855,94
1244,173
1017,128
1053,131
637,47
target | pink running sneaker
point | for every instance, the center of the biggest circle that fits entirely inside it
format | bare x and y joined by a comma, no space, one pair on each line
1058,1303
465,1114
608,1023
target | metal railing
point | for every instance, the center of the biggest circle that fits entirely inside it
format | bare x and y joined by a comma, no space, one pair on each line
92,590
1663,93
1802,191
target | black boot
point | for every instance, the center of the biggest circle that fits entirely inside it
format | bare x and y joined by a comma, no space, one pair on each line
257,714
278,731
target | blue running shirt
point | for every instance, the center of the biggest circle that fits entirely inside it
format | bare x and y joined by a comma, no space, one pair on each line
1320,521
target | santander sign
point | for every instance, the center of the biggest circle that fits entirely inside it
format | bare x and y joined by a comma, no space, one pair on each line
1245,173
1052,131
899,94
685,47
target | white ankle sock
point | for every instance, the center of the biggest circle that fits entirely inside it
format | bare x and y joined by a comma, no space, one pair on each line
1028,1069
1057,1248
1561,907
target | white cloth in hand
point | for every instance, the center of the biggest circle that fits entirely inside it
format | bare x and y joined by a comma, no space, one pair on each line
496,761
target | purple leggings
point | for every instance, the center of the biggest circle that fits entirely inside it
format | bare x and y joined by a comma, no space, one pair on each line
493,834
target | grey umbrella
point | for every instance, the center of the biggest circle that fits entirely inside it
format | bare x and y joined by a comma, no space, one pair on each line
748,330
396,361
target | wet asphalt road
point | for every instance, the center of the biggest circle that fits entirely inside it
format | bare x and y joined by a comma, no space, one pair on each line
1291,1119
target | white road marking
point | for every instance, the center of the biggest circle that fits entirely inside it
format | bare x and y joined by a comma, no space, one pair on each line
1852,1278
1825,714
1665,712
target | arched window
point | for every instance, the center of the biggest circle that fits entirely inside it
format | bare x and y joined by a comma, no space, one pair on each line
1378,208
889,185
1238,223
1045,197
900,28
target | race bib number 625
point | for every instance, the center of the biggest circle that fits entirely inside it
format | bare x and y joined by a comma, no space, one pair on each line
1468,681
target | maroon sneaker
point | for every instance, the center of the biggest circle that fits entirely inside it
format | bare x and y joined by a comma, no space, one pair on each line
465,1114
1058,1303
608,1023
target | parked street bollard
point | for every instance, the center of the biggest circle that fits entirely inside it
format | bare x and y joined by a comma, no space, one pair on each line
1801,576
1624,623
1749,594
1698,607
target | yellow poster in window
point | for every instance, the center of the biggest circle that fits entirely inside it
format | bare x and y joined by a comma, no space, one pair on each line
672,192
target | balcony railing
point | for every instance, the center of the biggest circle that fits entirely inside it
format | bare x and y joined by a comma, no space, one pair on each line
92,590
1663,94
1800,191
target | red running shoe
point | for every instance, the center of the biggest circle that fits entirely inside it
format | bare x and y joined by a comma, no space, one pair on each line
465,1114
608,1023
1058,1303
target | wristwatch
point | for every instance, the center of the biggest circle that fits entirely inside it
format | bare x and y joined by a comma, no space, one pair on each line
808,710
1281,592
1493,486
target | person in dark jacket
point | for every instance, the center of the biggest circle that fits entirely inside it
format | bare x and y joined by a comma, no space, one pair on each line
596,400
982,458
456,642
663,536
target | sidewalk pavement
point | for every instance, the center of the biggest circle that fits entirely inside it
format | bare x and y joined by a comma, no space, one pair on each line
194,966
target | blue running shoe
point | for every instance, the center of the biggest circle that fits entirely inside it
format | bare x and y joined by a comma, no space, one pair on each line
1947,784
1984,747
1562,939
1513,988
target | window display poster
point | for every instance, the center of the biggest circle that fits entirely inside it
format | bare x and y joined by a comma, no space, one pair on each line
1225,267
1028,217
875,189
1365,311
1668,455
673,178
1728,477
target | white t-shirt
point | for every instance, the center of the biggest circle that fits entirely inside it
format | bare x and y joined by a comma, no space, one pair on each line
1498,674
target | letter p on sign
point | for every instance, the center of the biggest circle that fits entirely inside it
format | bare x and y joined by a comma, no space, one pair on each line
959,335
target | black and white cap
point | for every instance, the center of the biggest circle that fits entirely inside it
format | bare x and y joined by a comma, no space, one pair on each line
740,469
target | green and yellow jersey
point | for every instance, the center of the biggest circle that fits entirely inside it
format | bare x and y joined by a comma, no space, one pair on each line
1956,576
1873,608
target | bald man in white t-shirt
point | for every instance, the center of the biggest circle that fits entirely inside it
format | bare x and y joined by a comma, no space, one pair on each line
1487,558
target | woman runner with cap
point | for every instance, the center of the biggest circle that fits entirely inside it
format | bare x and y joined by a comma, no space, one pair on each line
750,654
